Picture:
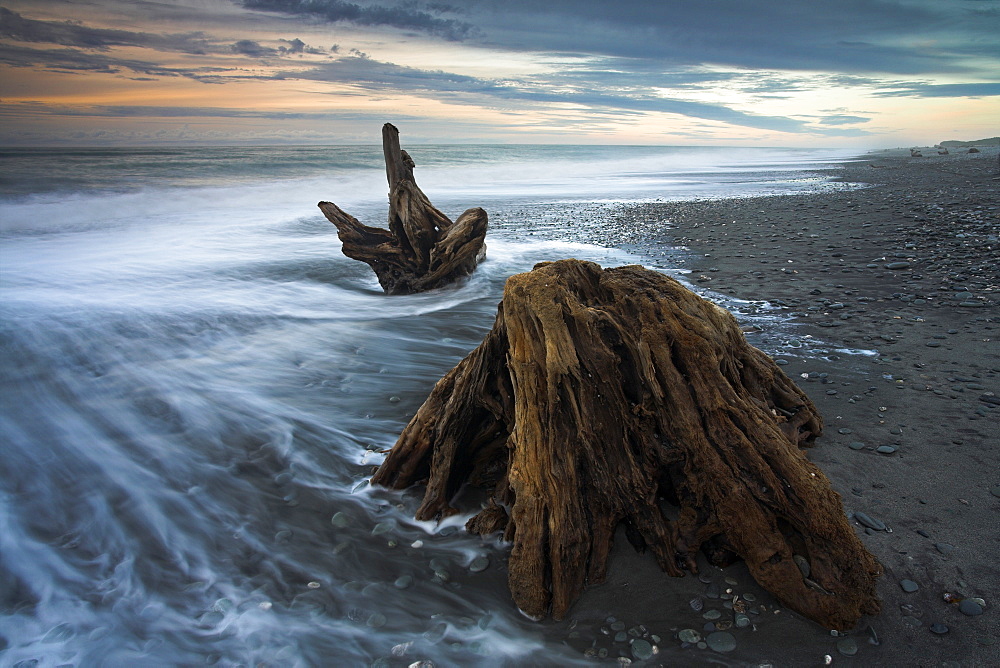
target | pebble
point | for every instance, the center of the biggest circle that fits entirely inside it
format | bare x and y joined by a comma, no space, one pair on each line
376,620
689,636
885,449
870,522
939,628
479,564
897,265
847,646
697,604
944,548
641,649
742,621
844,431
712,614
970,608
856,445
403,581
909,586
339,520
720,641
802,563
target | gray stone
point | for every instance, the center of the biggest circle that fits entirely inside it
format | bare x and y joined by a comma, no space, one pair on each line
641,649
897,265
689,636
970,608
885,449
856,445
479,564
720,641
847,646
909,586
802,563
939,628
870,522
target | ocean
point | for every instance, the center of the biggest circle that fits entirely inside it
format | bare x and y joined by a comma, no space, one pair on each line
195,385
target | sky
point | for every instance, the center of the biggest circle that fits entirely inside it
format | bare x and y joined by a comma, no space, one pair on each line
831,73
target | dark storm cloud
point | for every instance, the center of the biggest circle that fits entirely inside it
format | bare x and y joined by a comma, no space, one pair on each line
406,15
15,26
879,36
64,33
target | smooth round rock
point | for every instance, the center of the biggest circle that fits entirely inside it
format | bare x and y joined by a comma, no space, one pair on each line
376,620
802,563
712,614
856,445
885,449
720,641
970,608
939,628
403,582
689,636
909,586
847,646
479,564
339,520
641,649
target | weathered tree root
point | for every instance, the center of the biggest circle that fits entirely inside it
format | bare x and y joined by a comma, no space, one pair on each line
422,249
601,395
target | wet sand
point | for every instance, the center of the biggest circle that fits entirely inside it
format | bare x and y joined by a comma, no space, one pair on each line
907,269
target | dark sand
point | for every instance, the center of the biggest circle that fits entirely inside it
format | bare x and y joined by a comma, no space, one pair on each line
907,268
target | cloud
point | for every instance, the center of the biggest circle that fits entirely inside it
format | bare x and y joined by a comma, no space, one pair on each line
843,119
248,47
406,15
15,26
380,76
858,36
941,90
75,60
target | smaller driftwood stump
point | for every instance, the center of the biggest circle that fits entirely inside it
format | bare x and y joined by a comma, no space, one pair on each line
422,249
608,396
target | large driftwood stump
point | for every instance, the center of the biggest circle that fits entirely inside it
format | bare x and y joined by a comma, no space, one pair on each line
422,249
617,395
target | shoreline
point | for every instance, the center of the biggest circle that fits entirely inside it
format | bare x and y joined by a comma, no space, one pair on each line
906,266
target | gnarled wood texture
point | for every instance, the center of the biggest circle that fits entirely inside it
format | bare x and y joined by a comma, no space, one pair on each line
605,396
422,249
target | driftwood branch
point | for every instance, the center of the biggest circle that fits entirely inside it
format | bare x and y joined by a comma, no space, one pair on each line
615,396
422,249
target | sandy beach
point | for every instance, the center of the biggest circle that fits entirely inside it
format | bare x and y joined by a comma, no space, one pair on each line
906,269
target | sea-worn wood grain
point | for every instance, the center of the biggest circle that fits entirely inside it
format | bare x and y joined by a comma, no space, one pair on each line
603,397
422,249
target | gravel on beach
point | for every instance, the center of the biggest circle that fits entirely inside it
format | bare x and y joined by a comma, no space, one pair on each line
897,272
